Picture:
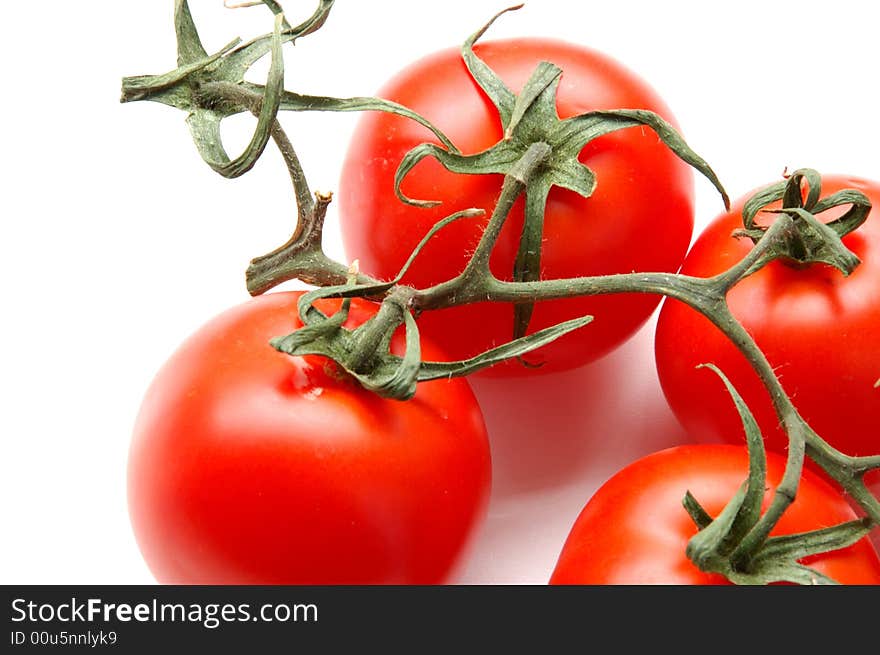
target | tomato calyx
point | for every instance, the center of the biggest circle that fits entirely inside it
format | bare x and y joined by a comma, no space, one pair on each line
737,544
778,559
182,88
365,351
211,88
529,118
807,240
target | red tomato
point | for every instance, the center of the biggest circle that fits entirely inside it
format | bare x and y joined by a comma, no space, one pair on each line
249,466
817,328
634,530
640,217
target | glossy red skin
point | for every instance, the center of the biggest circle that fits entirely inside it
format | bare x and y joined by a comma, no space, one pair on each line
640,217
634,530
249,466
819,330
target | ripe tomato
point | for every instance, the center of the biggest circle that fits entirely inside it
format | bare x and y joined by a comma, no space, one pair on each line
640,217
249,466
634,530
817,328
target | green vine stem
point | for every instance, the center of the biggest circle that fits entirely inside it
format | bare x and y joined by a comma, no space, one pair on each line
537,152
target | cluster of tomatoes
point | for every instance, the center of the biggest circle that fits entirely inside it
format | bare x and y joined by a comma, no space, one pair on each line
249,466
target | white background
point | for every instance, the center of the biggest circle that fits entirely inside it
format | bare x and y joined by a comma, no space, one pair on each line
118,242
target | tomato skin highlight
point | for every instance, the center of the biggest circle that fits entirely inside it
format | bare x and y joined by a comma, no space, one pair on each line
634,530
640,217
818,329
249,466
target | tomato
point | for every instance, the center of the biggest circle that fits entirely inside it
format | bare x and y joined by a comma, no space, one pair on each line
634,530
640,217
249,466
817,328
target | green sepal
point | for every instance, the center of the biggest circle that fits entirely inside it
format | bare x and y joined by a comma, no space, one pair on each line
538,95
291,101
574,133
704,548
809,240
318,328
204,125
714,548
778,560
792,195
817,242
860,207
391,376
709,548
816,542
492,85
510,350
497,160
750,510
174,88
189,44
776,572
789,191
698,514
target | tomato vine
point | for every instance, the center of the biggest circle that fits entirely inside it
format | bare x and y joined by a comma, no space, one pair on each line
538,151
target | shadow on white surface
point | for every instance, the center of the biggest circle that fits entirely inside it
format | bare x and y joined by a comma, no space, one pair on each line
546,464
